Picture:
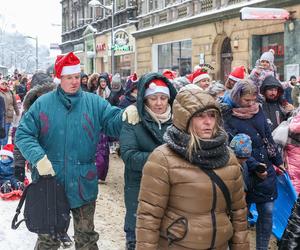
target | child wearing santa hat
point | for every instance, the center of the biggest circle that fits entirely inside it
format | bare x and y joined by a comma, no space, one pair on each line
8,182
201,78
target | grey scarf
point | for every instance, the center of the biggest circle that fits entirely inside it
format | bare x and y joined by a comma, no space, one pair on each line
211,154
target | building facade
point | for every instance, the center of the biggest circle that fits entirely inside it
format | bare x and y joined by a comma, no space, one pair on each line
87,31
179,34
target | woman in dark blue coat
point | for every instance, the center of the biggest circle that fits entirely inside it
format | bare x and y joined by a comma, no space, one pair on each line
242,114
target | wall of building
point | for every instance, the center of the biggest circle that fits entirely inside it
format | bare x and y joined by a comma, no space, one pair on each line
208,39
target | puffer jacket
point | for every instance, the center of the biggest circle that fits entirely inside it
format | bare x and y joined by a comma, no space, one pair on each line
10,105
179,202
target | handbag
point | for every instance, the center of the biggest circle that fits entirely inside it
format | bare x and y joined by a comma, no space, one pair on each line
270,147
46,210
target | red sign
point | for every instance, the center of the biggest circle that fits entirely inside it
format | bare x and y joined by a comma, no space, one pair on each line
250,13
100,47
278,49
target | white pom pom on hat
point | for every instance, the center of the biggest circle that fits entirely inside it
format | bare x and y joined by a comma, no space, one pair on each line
157,86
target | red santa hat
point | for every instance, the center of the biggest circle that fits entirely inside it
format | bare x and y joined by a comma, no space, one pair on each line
171,75
18,99
237,74
8,150
133,77
66,65
199,75
157,86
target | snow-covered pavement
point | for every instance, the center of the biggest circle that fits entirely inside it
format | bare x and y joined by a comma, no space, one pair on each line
109,217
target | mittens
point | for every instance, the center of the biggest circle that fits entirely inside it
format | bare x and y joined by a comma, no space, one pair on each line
44,167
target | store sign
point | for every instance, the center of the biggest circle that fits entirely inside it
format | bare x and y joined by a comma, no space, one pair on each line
121,41
278,49
100,47
250,13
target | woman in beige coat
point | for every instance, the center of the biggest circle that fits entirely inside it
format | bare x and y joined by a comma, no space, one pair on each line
10,107
182,203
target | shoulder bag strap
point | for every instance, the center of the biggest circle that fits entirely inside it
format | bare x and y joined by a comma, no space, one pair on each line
14,223
220,183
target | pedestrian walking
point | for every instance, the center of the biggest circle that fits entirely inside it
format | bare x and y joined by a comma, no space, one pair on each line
59,135
192,194
244,115
154,99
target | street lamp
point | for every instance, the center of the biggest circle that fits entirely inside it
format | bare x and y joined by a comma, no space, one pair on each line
96,3
36,51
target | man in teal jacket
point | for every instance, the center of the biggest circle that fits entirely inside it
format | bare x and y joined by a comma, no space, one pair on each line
59,135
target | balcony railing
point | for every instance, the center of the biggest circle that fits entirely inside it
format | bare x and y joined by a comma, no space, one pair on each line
181,10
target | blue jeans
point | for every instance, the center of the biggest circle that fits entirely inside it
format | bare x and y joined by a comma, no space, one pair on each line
264,224
130,235
4,141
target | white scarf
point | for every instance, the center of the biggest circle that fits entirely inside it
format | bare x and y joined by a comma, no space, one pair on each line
160,118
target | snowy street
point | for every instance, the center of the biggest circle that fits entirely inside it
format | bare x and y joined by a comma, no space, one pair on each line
109,217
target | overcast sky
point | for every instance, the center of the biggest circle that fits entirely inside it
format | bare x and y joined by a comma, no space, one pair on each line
32,18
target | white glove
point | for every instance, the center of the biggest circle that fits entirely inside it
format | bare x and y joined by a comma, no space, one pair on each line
131,115
44,167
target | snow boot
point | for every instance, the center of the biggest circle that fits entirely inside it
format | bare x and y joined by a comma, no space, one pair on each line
6,187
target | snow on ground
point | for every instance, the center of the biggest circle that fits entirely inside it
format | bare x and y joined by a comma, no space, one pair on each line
109,216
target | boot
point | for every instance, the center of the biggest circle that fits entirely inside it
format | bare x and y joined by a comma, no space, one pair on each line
130,245
65,240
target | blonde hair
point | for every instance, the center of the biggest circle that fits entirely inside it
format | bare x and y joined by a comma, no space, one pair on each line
194,142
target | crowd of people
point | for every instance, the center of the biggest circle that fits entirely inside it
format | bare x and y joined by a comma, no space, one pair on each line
197,152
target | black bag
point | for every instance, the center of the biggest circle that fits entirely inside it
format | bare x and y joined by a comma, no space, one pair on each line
47,210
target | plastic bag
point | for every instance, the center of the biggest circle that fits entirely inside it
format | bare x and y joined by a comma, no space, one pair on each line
281,133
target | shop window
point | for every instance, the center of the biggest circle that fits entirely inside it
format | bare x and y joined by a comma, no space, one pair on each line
275,42
175,56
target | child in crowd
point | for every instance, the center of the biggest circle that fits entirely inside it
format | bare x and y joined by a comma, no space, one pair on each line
8,182
264,67
241,145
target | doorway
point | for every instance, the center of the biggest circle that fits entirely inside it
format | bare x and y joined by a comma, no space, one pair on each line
226,59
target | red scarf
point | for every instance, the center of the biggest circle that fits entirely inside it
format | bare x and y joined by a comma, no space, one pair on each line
247,112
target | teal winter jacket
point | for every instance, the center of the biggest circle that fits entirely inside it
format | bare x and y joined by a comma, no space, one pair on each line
66,128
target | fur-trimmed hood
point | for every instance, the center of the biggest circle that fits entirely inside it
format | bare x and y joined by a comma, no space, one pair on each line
36,92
